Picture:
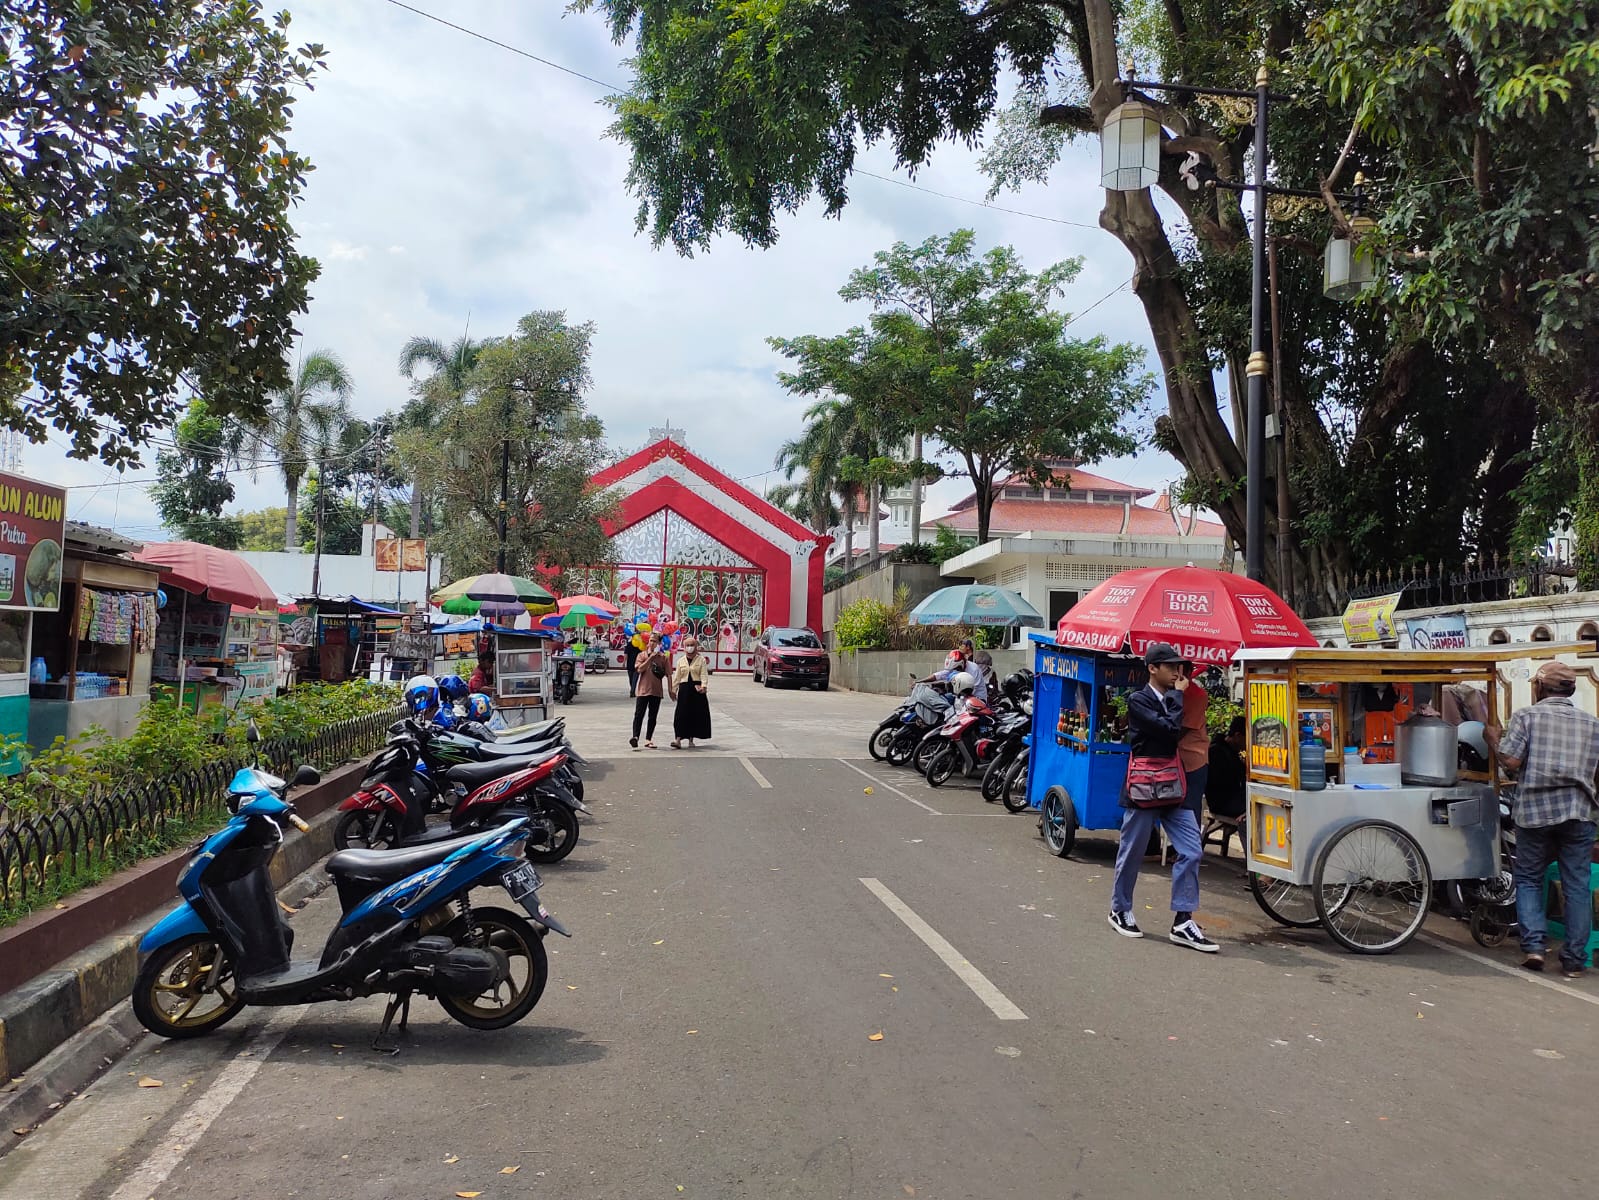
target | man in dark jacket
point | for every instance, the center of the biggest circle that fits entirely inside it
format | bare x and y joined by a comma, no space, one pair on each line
1154,718
630,655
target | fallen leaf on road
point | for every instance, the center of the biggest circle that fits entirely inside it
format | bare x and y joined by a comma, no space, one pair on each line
61,906
22,1130
693,1031
894,988
662,942
454,1158
468,1195
1549,1054
1008,1051
1420,1017
882,975
909,1190
147,1081
572,987
509,1170
336,1045
1171,1038
874,1037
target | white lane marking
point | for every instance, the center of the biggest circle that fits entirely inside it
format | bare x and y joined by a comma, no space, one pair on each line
888,787
1507,969
188,1129
998,1003
754,774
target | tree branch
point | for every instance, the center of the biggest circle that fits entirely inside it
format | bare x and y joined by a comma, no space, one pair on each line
1073,116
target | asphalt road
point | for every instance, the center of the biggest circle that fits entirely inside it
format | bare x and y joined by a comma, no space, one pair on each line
749,918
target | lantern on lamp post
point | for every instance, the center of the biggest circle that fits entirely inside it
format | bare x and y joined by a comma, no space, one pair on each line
1347,266
1129,147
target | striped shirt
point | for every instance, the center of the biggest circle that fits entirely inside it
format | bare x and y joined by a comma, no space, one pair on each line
1557,744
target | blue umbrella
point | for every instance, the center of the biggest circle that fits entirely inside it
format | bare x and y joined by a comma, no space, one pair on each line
975,604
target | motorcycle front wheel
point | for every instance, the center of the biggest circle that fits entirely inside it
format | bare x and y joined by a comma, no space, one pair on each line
363,829
902,747
508,1002
880,741
922,756
941,766
994,778
554,833
186,989
1013,792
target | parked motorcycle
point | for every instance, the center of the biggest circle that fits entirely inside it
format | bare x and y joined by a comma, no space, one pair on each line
928,709
1010,731
1013,791
564,689
386,810
407,926
964,743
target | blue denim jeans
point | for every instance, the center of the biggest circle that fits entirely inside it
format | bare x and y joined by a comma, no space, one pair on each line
1195,781
1569,843
1183,830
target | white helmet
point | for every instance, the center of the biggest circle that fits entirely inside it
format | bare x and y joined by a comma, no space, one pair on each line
962,682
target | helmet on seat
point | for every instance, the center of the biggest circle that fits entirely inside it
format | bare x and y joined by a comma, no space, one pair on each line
445,719
1016,685
453,687
962,683
421,694
478,707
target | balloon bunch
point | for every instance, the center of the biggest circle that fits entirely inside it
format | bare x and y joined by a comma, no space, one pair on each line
638,631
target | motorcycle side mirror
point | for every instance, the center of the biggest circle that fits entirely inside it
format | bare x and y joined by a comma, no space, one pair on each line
252,733
305,775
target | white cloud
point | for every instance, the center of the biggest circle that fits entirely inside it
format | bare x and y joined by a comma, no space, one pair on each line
495,190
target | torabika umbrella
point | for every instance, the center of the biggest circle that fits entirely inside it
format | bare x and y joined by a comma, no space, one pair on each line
975,604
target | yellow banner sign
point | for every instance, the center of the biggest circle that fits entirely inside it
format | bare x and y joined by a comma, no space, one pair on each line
1370,621
1269,715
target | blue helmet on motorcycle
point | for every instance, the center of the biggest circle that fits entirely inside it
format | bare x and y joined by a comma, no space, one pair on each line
444,719
453,687
421,694
478,707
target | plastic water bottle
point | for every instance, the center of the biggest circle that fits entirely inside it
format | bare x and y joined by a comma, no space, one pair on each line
1312,766
38,672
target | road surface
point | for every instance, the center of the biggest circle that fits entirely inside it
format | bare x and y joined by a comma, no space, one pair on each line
799,973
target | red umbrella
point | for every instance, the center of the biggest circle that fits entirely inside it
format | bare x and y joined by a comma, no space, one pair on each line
209,572
1207,615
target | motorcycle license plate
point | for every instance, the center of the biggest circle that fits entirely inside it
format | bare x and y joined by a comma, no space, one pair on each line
522,881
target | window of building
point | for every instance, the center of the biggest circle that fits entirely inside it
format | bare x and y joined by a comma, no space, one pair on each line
1498,638
1542,634
1587,632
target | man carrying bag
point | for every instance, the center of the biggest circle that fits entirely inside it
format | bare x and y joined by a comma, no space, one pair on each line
1154,792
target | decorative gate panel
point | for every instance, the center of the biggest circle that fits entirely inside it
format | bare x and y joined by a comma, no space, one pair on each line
669,565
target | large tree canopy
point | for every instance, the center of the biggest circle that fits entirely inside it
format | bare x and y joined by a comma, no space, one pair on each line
145,187
1400,440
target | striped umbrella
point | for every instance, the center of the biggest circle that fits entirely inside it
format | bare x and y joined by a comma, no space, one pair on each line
577,612
494,594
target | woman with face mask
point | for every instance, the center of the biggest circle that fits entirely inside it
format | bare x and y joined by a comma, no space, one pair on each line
691,719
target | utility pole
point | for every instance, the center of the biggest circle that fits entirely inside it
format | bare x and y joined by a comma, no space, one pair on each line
505,481
321,501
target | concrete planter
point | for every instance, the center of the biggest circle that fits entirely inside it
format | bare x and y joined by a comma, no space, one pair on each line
890,672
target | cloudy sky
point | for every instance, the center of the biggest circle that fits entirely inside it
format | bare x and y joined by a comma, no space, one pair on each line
457,182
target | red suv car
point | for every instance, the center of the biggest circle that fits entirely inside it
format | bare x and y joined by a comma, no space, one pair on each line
792,654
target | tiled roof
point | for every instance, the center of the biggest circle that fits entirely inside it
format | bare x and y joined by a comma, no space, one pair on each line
1047,516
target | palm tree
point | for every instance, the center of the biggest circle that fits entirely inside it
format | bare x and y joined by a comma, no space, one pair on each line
452,368
839,439
302,425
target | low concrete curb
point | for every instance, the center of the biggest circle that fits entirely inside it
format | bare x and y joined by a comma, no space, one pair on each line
44,1012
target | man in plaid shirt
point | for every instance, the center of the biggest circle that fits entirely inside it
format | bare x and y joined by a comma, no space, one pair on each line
1554,747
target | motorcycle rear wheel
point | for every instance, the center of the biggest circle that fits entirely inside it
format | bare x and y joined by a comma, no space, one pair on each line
902,747
173,986
880,741
530,969
922,756
363,829
994,778
558,826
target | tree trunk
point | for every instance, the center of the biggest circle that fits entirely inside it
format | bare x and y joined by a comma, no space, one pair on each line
849,532
916,492
873,530
416,510
291,518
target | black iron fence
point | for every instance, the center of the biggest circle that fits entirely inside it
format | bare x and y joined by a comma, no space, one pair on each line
109,828
1428,585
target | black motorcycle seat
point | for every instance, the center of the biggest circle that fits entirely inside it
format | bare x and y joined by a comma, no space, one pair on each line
488,750
477,774
387,866
531,733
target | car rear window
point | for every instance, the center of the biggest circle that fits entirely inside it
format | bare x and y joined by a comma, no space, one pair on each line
802,638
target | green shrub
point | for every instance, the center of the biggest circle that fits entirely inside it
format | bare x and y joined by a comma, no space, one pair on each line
866,624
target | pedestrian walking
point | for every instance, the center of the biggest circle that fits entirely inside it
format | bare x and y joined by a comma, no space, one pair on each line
1154,794
691,719
649,686
631,654
410,651
1553,746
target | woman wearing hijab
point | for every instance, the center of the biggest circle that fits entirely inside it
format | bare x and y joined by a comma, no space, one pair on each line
692,718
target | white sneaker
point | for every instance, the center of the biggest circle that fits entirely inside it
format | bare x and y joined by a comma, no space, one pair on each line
1191,935
1124,924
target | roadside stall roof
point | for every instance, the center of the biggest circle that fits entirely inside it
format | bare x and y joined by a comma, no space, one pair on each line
347,606
1371,664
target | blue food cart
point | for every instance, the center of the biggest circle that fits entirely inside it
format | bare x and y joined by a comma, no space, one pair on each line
1078,758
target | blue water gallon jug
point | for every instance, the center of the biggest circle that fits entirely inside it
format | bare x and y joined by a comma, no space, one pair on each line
1312,766
38,672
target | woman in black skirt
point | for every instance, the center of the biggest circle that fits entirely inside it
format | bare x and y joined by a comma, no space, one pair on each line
692,717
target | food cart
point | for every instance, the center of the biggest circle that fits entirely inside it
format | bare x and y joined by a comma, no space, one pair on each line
1078,758
1359,855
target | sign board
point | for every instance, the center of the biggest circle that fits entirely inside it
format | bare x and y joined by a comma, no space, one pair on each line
696,612
395,553
1444,632
33,521
1271,735
1271,831
1371,621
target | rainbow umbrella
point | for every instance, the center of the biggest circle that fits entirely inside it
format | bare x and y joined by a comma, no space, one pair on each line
494,595
579,612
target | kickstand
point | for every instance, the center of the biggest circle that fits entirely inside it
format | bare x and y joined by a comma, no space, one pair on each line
401,1004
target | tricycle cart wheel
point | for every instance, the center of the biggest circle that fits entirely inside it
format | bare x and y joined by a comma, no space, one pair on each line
1491,924
1290,904
1373,887
1057,821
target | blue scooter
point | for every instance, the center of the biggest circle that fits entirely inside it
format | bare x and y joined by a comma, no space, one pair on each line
408,926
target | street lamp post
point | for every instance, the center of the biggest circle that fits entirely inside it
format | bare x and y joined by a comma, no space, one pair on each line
1130,162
